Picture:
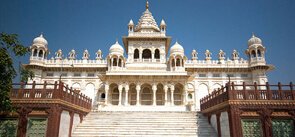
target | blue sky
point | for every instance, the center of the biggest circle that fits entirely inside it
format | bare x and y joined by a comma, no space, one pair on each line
196,24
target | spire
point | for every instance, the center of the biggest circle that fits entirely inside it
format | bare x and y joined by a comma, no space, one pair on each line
147,21
147,5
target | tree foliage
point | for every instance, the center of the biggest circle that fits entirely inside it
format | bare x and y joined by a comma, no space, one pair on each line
10,47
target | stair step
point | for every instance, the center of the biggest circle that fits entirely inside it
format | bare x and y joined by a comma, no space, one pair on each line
150,124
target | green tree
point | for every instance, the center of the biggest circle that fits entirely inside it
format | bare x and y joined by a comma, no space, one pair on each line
10,47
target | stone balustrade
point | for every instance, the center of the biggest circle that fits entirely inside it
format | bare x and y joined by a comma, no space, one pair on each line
49,92
252,92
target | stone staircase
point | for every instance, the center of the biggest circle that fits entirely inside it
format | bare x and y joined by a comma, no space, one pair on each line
139,123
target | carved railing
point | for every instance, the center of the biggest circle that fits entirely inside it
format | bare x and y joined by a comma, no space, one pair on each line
248,92
47,92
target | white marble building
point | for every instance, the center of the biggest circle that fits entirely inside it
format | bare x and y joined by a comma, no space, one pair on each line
146,73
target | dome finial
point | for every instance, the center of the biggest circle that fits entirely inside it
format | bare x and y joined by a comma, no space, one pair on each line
41,35
147,5
253,35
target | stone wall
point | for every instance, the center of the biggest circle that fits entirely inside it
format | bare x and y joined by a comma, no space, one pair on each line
213,122
76,121
224,125
64,125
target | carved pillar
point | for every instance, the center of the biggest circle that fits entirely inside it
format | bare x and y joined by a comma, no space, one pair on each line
112,60
71,122
234,121
185,100
38,53
120,95
153,54
106,88
140,54
126,95
53,121
166,98
218,124
154,88
137,94
172,95
23,121
292,113
81,117
265,118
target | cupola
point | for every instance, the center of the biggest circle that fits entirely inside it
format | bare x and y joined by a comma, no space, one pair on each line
40,41
177,49
116,49
254,40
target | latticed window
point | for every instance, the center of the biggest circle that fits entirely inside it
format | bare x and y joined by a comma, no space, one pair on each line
282,128
8,127
251,128
37,127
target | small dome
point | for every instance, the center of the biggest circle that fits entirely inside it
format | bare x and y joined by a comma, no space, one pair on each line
131,23
40,40
254,40
116,48
162,23
176,48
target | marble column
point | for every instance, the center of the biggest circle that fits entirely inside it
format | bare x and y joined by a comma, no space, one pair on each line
154,88
106,88
166,98
137,94
172,95
120,95
185,100
126,95
112,60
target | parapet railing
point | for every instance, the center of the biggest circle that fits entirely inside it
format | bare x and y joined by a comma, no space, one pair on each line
248,92
46,91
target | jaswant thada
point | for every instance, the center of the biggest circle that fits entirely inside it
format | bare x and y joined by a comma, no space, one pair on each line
150,80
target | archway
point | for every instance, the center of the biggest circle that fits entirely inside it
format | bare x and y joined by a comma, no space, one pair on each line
76,86
132,94
35,52
114,94
253,54
146,54
40,53
203,90
157,54
216,86
136,54
89,91
160,95
146,95
178,90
